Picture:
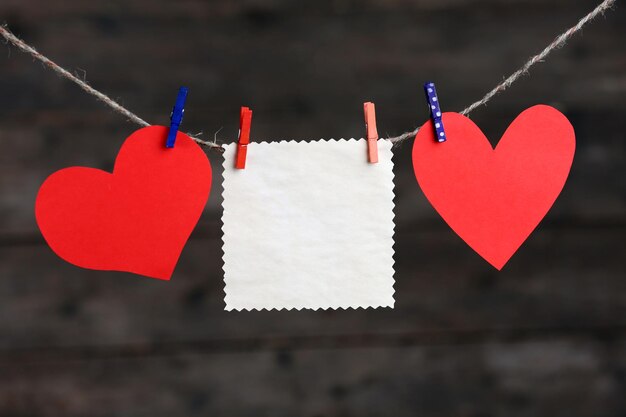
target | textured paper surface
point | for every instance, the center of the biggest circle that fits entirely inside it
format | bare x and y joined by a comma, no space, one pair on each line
308,225
494,198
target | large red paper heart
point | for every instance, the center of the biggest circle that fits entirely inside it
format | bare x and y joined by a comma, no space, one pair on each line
494,198
136,219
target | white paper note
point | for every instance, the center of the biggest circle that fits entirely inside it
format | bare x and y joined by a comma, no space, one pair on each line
308,225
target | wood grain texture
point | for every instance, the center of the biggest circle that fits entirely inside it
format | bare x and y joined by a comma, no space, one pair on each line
545,337
542,378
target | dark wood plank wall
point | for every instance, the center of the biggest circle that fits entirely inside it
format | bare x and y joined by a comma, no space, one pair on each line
544,337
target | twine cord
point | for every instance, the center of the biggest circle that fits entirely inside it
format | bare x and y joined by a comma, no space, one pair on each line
558,42
24,47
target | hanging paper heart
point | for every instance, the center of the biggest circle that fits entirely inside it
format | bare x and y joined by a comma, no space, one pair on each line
494,198
136,219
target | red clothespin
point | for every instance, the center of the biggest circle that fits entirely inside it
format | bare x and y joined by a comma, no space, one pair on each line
372,134
245,120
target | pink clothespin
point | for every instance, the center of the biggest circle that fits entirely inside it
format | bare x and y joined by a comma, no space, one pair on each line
245,120
372,134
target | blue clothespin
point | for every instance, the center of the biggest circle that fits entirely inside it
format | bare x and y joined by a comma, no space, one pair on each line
176,118
435,111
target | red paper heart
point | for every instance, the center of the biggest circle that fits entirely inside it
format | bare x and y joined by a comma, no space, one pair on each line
494,198
136,219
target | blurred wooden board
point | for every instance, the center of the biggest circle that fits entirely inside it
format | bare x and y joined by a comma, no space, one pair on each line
561,279
542,378
545,337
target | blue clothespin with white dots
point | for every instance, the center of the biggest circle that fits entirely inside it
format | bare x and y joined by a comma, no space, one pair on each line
435,111
176,118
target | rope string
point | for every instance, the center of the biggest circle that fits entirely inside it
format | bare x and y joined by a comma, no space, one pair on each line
24,47
558,42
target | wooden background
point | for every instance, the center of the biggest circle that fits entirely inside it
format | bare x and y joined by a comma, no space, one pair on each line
544,337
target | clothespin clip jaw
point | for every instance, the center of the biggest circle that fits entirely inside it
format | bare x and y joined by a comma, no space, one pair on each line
245,121
176,117
369,111
435,111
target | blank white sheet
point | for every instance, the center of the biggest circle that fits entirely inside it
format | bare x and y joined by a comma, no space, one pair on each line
308,225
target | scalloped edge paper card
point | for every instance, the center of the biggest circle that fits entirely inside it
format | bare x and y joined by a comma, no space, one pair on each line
308,225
